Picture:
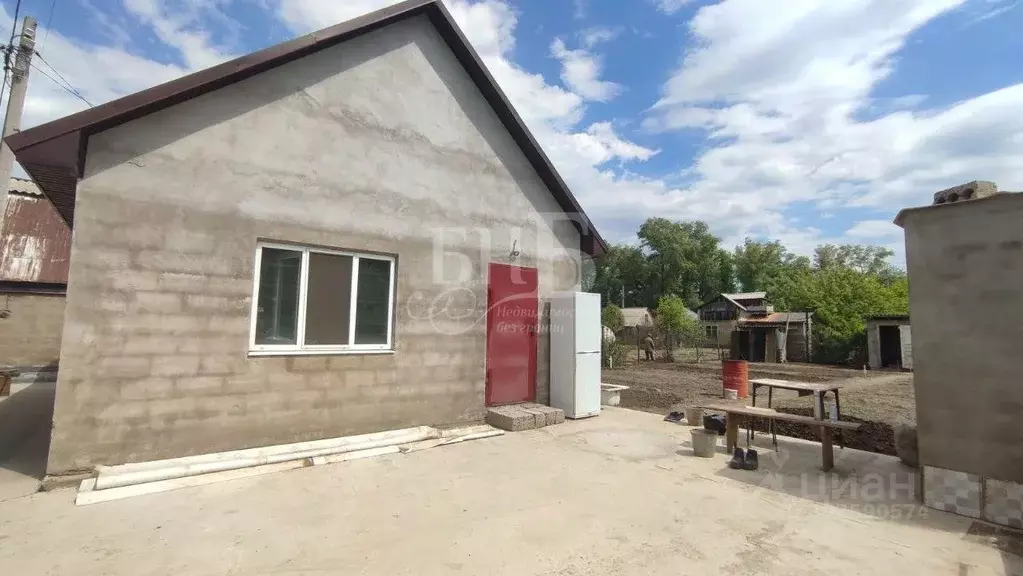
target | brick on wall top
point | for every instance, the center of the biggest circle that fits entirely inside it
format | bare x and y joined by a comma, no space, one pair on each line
943,199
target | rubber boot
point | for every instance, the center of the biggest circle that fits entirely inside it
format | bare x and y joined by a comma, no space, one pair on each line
752,460
738,461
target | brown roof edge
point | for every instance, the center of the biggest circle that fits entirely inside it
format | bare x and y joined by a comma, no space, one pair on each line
56,168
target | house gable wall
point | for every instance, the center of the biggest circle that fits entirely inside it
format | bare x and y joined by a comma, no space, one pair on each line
380,144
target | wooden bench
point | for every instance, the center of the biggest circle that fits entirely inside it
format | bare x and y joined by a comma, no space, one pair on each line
732,411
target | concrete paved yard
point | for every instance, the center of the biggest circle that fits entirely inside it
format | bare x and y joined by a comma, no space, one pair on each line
617,494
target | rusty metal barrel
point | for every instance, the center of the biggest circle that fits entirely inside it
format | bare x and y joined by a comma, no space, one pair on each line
735,376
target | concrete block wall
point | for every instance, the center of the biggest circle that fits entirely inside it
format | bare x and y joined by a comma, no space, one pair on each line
383,145
30,334
965,265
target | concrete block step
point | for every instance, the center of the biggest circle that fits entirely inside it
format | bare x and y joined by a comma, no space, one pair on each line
526,416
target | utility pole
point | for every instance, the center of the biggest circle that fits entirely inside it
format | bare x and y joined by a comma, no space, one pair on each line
15,103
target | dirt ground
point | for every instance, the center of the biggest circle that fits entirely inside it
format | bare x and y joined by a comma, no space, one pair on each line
879,399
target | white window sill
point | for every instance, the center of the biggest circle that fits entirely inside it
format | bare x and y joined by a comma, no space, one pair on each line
259,353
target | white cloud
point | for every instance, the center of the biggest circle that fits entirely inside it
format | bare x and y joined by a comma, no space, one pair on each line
591,37
599,144
180,26
874,230
111,72
580,9
670,6
781,87
581,70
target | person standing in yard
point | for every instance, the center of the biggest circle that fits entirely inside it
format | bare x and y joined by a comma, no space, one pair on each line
648,346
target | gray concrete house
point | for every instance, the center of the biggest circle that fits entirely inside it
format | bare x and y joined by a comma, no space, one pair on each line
964,256
349,232
889,342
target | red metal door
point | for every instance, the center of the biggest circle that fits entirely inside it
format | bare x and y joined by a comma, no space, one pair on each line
511,334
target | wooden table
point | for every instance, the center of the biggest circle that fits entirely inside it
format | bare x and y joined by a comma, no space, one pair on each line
817,390
733,411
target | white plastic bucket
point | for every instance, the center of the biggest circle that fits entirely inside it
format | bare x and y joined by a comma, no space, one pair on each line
731,394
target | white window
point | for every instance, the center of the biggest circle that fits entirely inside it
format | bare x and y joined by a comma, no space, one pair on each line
319,301
712,332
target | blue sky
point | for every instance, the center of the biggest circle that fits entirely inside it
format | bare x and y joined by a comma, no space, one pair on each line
809,121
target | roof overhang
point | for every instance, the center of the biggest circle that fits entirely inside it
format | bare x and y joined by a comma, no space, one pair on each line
54,153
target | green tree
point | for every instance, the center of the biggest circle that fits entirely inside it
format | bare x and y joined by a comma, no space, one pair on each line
760,264
872,260
612,317
674,320
841,294
685,259
621,276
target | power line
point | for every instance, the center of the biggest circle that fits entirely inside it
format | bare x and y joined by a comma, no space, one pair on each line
49,19
68,89
67,85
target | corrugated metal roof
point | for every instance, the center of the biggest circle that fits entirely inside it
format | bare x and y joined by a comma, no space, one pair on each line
777,318
24,186
746,296
35,243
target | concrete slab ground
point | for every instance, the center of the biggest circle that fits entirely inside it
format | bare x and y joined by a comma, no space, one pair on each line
25,419
617,494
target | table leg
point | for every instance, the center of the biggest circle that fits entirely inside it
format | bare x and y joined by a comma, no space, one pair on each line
770,398
838,416
827,453
754,392
731,432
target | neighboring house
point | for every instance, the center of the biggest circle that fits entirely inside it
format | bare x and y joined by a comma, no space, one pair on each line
35,243
346,233
889,342
747,324
637,317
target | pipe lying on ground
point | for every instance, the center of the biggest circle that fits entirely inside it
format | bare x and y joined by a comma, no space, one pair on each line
261,451
87,495
212,463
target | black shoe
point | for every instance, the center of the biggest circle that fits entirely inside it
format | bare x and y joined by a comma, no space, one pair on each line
738,461
752,461
673,417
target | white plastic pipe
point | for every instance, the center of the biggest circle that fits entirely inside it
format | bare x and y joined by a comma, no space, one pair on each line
261,451
87,494
209,464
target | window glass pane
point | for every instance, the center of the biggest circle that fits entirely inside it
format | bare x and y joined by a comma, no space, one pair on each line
328,299
277,309
371,319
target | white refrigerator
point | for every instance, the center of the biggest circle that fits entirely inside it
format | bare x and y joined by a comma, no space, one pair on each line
575,337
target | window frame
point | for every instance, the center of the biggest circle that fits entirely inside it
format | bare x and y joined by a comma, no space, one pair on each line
300,347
